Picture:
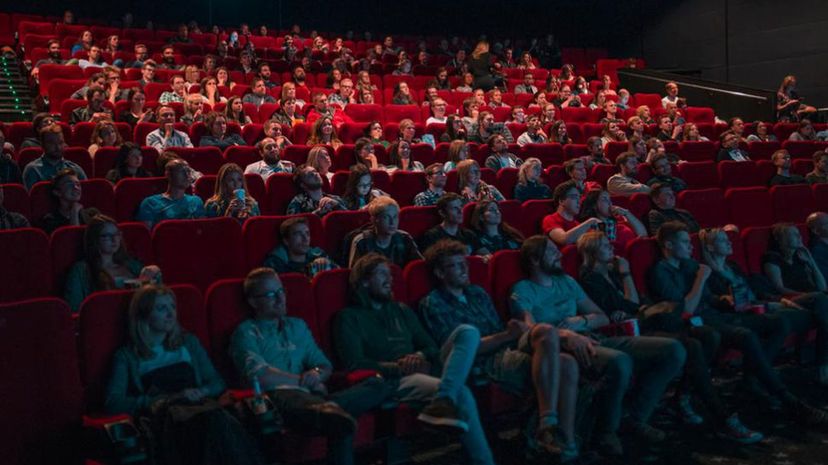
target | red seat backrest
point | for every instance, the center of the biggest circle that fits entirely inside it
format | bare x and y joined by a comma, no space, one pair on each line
642,252
698,175
755,242
739,174
280,191
405,185
505,271
548,154
707,206
207,160
747,206
792,203
337,224
26,252
41,395
697,151
106,157
130,192
199,251
16,199
417,220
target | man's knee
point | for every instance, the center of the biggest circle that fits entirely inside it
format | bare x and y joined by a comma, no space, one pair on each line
545,335
619,367
466,334
674,353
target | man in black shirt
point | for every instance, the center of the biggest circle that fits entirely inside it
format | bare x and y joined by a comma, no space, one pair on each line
664,200
450,208
782,161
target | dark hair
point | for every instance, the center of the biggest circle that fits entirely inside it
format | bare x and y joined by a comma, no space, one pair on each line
669,231
589,205
288,224
351,196
504,228
450,129
364,267
818,156
532,248
448,197
622,159
394,154
436,255
122,157
99,278
360,144
559,194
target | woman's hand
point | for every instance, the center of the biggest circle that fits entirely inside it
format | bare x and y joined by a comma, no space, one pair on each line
150,275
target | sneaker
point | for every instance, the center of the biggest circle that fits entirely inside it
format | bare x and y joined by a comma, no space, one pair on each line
811,416
442,413
735,431
609,444
644,431
684,408
569,453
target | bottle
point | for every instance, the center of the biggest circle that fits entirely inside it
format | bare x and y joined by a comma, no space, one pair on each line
258,405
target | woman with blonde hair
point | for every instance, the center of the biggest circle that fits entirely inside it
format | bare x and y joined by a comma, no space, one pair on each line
231,196
480,69
105,134
320,159
471,187
162,368
530,185
457,152
323,132
789,106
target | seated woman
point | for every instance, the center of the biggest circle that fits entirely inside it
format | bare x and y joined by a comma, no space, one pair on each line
612,133
492,233
558,134
467,85
231,197
216,124
400,155
471,187
599,101
619,224
761,133
161,367
606,279
538,100
223,78
234,112
457,152
408,131
635,128
320,159
638,145
324,133
105,265
643,112
359,191
455,130
66,210
364,154
128,164
403,65
547,114
402,94
210,92
137,112
529,185
104,135
374,133
691,133
793,273
789,106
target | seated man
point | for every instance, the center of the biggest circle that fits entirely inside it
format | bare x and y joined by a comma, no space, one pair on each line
551,296
663,173
383,237
147,73
94,110
486,127
53,58
94,57
664,210
820,173
321,108
345,95
379,333
266,74
295,254
258,94
730,150
679,279
178,92
45,167
168,59
534,133
666,129
311,198
527,86
436,179
521,358
563,226
596,156
818,228
270,163
781,160
67,209
175,203
624,182
500,156
141,57
280,354
166,135
450,209
193,110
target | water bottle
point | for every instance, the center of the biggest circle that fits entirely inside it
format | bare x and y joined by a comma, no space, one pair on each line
259,406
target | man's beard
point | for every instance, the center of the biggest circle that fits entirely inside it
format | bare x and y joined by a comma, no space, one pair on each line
381,296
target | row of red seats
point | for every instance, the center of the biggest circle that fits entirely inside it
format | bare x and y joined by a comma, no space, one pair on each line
236,248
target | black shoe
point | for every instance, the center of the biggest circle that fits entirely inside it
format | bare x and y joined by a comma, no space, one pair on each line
442,413
333,420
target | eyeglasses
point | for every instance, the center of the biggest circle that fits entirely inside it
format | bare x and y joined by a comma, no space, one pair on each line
271,294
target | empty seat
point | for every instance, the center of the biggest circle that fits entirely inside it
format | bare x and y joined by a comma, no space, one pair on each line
24,254
40,393
207,160
199,251
261,235
405,185
700,115
707,206
364,113
739,174
698,175
642,252
792,203
397,113
16,199
749,206
762,150
130,192
548,154
802,148
417,220
280,191
697,151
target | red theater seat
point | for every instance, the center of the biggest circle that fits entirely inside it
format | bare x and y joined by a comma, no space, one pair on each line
95,193
106,157
280,191
792,204
405,185
642,252
207,160
26,252
16,199
336,226
698,175
181,246
548,154
130,192
749,206
707,206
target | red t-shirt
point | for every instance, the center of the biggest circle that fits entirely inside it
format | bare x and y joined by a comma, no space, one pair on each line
555,221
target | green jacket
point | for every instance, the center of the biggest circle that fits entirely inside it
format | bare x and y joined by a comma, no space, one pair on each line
370,339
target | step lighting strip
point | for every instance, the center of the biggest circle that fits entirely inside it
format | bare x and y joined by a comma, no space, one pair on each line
4,63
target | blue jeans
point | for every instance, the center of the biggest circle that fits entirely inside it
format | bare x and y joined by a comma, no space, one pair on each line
458,354
655,362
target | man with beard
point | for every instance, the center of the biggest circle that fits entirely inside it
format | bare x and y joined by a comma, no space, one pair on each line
624,183
54,57
294,254
94,58
518,357
94,109
436,178
378,333
311,198
270,163
141,56
551,296
266,75
168,59
51,162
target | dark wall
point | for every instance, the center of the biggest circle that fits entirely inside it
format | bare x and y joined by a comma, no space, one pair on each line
753,43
